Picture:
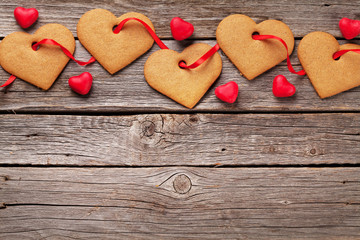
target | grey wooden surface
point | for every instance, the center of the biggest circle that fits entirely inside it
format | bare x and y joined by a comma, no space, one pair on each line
160,203
181,140
128,163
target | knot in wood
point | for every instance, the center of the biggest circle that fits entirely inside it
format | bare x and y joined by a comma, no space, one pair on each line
194,119
182,184
4,178
272,149
148,128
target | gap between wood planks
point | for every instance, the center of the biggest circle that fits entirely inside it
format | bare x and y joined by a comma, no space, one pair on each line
179,112
332,165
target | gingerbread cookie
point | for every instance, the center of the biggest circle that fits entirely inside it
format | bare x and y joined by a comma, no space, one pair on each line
40,67
114,51
329,76
185,86
253,57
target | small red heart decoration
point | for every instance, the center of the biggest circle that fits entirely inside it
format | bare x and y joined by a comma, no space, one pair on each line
82,83
26,16
181,29
227,92
349,28
282,87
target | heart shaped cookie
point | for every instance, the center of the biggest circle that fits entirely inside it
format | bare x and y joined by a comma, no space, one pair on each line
114,51
253,57
329,76
41,67
185,86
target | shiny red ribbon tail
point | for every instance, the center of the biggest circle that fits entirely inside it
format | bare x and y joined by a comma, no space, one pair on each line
67,52
9,81
342,52
290,67
197,63
202,59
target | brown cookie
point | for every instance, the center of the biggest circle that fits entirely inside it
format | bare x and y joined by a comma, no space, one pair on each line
185,86
253,57
114,51
329,76
41,67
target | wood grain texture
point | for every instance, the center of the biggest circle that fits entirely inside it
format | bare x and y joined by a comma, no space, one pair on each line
181,140
301,16
127,91
143,175
141,203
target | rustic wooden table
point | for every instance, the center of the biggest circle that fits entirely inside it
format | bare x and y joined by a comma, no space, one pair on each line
126,162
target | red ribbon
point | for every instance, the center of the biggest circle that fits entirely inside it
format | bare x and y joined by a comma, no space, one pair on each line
51,42
290,67
9,81
202,59
148,28
67,52
342,52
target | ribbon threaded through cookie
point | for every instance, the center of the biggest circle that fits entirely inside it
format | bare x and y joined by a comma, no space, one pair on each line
51,42
290,67
67,52
118,28
162,45
148,28
342,52
202,59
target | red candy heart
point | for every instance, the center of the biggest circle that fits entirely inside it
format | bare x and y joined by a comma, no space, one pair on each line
282,88
181,29
349,28
227,92
82,83
26,16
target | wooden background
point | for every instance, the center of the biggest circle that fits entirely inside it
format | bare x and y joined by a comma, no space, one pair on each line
126,162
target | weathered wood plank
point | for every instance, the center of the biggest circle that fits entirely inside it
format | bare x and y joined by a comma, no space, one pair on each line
301,16
127,91
213,203
162,140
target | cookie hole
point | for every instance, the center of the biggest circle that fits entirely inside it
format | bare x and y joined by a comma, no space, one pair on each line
255,33
113,29
337,59
32,46
181,63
